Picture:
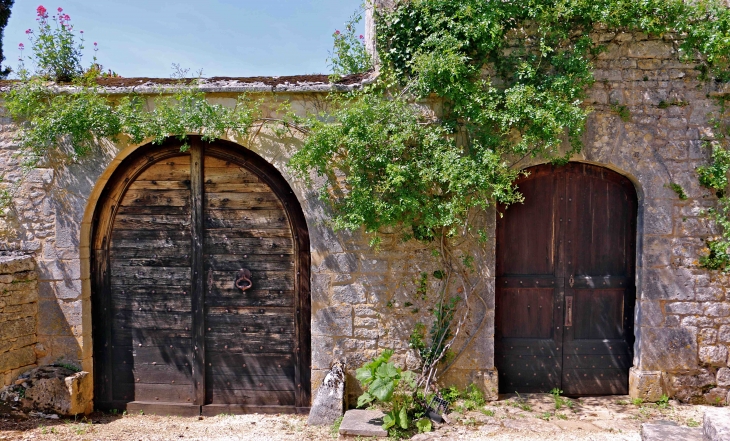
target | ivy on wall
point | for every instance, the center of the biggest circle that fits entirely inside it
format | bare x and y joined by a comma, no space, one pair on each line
508,80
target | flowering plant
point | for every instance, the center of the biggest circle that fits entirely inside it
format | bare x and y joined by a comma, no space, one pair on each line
349,55
56,53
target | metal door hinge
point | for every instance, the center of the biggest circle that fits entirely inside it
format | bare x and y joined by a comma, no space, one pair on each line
569,311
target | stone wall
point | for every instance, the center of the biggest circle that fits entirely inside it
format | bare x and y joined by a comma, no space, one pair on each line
366,300
18,316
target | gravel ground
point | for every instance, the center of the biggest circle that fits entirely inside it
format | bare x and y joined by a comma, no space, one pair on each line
530,417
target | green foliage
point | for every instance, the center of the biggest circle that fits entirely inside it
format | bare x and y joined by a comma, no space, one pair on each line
677,189
349,55
622,111
69,366
560,401
388,384
5,6
335,428
424,425
714,176
451,394
663,401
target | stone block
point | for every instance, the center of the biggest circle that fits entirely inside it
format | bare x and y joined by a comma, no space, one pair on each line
668,349
352,294
652,49
713,355
716,424
666,432
321,288
17,358
15,328
723,377
683,308
16,263
646,385
668,284
367,423
329,404
333,321
59,390
716,396
723,335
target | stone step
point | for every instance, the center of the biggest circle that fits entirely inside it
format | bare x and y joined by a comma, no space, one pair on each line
363,423
716,424
666,431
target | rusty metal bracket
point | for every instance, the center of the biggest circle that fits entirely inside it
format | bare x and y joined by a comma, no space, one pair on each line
243,280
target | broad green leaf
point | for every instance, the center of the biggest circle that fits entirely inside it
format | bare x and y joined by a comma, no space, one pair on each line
387,370
364,399
382,389
364,375
424,425
389,420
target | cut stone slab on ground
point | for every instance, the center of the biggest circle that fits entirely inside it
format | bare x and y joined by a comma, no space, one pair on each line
716,424
363,423
668,432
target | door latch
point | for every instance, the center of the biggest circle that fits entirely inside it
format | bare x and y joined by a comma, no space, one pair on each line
569,310
571,281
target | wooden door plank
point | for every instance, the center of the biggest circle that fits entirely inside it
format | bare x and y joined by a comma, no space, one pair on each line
197,197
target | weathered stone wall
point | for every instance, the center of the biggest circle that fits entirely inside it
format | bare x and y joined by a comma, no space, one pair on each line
366,300
18,315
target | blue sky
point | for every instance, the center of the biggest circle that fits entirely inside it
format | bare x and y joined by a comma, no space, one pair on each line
223,37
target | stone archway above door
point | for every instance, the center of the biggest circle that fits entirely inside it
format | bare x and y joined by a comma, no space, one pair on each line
200,285
565,289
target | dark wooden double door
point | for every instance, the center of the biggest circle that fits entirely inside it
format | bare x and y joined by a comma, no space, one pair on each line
174,332
565,282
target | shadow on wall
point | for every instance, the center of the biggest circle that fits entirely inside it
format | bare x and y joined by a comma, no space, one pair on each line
45,219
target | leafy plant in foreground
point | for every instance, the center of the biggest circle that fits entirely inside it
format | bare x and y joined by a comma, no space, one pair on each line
386,383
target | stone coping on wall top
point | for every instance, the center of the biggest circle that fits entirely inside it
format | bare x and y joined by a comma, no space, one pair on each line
291,84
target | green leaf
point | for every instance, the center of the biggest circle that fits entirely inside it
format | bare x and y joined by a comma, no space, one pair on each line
389,420
364,375
364,399
382,389
423,425
403,418
388,371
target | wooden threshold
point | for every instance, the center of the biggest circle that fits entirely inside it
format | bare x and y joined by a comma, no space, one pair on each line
164,409
240,409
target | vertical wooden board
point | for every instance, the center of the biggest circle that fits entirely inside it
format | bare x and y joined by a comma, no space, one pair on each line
197,271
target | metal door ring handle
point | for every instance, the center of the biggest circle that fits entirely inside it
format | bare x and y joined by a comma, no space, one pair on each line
243,280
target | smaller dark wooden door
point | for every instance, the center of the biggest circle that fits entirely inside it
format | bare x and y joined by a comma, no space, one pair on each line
565,283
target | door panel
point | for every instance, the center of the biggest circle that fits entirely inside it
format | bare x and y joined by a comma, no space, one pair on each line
256,326
172,332
585,216
151,319
528,337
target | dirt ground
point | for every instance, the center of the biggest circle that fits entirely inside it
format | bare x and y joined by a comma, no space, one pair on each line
529,417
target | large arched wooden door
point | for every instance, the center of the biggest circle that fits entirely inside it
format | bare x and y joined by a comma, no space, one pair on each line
565,282
200,285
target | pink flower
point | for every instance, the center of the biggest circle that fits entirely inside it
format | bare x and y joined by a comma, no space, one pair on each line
337,32
81,32
29,31
60,9
41,11
21,46
94,43
361,37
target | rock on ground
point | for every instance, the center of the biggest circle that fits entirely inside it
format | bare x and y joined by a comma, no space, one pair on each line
51,389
